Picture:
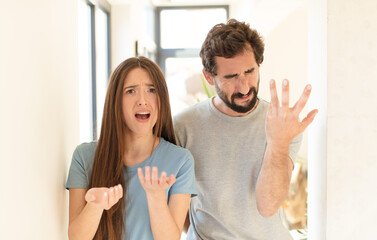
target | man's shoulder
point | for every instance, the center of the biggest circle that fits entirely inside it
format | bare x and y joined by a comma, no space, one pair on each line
192,112
263,105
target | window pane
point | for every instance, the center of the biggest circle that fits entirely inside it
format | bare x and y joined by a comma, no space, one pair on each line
102,61
187,28
185,82
85,73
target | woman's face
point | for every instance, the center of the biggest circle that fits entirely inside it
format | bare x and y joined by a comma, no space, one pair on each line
139,103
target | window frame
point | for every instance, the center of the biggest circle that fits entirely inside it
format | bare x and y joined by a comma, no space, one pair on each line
163,53
105,7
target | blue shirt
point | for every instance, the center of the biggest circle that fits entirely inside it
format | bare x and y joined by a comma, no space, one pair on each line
167,157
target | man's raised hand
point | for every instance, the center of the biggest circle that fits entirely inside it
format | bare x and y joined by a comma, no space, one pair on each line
282,122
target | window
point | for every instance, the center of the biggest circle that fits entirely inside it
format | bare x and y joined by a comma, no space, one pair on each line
94,66
103,61
180,34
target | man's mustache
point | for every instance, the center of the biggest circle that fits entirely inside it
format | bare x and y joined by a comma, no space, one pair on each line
240,95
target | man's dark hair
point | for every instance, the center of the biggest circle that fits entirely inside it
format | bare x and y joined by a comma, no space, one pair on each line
228,40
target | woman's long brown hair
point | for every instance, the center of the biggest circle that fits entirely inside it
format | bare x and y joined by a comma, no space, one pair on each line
108,161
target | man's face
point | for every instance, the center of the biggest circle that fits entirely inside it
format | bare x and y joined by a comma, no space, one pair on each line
236,83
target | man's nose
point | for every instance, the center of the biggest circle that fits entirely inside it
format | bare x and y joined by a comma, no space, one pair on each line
243,86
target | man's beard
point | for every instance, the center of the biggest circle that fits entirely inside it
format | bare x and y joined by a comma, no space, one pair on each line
232,105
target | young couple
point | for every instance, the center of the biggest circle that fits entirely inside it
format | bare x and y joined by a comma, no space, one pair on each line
135,183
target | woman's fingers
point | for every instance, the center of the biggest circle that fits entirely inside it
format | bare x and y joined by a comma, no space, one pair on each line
151,181
163,180
171,180
155,176
120,190
148,175
90,197
141,176
105,198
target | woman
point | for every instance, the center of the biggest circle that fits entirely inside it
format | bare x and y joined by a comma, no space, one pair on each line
110,197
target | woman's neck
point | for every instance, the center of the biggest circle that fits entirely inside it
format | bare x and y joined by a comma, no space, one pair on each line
139,148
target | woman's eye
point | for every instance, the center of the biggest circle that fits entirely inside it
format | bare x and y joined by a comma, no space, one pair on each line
152,90
130,91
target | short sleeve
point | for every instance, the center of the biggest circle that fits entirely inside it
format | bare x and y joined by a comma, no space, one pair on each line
294,147
77,176
185,179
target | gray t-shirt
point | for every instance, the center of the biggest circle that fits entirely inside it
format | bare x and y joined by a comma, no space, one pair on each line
228,153
167,157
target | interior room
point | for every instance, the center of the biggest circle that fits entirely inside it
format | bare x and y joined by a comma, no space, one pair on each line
56,58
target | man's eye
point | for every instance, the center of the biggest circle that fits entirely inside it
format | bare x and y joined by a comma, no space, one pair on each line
250,70
231,76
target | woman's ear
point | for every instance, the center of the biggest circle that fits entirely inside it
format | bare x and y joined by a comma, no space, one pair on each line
208,77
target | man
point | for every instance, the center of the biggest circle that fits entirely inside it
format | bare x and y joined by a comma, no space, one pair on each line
244,148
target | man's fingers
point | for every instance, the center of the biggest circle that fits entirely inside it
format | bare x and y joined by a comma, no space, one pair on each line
285,95
274,98
308,119
300,104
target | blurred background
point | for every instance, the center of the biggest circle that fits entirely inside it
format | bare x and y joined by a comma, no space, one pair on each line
56,57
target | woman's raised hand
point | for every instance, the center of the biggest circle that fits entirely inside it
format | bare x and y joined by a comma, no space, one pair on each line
151,183
104,197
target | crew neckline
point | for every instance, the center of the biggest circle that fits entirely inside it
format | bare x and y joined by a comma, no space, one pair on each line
148,159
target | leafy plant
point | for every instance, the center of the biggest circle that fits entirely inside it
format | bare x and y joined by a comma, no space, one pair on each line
304,234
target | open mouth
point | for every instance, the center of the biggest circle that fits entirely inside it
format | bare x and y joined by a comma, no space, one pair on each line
142,115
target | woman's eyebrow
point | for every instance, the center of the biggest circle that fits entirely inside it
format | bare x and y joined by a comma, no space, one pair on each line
131,86
136,85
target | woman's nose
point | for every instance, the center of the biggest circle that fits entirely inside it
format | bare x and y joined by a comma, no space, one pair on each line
141,98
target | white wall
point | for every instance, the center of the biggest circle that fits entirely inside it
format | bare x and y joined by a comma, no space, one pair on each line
39,115
286,56
352,119
130,21
122,40
348,120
